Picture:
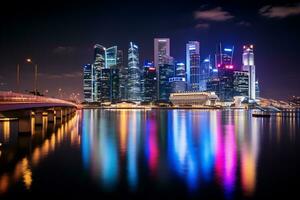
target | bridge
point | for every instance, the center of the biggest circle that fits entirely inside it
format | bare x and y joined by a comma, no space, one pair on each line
24,108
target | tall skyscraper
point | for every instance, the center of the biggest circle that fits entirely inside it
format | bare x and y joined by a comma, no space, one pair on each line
166,71
149,82
240,83
178,82
161,49
99,64
224,57
248,65
111,57
193,65
134,73
88,83
205,73
123,76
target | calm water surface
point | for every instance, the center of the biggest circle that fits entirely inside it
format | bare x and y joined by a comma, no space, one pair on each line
151,154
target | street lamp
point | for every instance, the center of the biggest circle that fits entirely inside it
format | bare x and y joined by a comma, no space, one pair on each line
28,60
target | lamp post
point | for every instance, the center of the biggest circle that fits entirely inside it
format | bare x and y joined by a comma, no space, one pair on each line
28,60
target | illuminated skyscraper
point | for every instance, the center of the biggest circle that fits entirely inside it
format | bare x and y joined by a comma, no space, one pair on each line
123,75
149,82
193,65
134,73
248,65
88,83
99,64
161,49
166,71
111,56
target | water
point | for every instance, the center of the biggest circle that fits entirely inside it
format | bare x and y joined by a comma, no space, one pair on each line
152,154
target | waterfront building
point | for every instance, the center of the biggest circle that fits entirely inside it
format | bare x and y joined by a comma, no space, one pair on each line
240,83
161,50
193,98
111,57
134,73
180,70
105,85
178,84
149,82
166,71
114,84
193,65
248,65
88,83
206,72
99,64
123,76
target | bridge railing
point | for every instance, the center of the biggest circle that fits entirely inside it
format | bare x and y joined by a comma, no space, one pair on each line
11,97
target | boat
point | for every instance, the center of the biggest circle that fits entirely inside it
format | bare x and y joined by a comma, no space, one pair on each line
267,115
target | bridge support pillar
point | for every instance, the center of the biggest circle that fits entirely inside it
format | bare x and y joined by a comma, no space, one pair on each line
38,116
51,116
24,125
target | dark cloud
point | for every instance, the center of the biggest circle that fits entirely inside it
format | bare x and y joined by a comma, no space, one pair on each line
244,23
279,11
215,14
64,50
202,26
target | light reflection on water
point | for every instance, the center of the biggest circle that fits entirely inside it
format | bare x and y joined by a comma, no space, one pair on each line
169,148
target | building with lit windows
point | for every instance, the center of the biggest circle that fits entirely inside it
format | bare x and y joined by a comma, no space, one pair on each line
99,64
193,65
178,84
248,65
123,76
240,83
193,98
166,71
149,82
88,83
111,56
105,85
134,73
161,50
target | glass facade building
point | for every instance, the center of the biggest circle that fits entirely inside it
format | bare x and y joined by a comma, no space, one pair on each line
99,64
193,65
248,65
88,83
161,50
148,82
134,73
166,72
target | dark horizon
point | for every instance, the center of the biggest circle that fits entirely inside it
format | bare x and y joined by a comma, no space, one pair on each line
59,37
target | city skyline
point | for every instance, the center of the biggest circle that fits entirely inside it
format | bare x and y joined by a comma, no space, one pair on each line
62,59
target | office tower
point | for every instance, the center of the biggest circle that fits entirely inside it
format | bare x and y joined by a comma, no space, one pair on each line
193,65
149,82
240,83
224,57
88,83
99,64
248,65
180,70
166,71
134,73
105,85
123,75
115,83
161,49
111,57
206,72
178,84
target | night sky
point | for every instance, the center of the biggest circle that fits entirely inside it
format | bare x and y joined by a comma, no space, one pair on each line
59,37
